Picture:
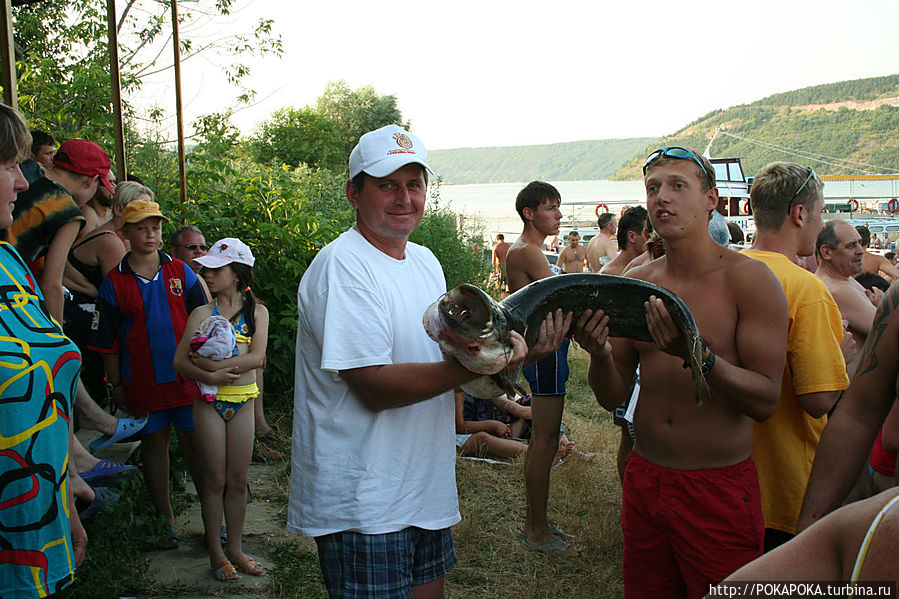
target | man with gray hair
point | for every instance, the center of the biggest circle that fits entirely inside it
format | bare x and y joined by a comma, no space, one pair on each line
787,202
840,254
187,243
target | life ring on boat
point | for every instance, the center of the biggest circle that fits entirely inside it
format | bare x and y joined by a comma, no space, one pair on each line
893,205
604,209
745,208
853,205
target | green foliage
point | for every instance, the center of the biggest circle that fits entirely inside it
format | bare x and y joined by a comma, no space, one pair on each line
858,89
455,242
62,58
357,112
572,161
299,136
285,215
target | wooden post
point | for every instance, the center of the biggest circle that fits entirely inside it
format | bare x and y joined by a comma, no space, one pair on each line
8,56
176,43
115,85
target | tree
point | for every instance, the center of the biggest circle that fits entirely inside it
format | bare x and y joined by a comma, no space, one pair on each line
358,112
299,136
63,66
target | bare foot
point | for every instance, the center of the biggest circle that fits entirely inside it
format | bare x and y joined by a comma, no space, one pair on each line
80,489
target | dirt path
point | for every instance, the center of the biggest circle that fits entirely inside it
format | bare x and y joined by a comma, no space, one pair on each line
188,565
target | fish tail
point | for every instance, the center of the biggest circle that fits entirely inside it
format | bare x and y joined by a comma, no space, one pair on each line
696,367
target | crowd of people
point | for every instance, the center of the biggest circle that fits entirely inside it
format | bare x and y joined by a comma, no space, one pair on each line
729,488
96,314
710,490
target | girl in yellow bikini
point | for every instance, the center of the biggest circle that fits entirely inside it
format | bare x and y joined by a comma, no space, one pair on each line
225,424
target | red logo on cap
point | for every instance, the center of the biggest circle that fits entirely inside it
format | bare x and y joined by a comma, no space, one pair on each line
402,140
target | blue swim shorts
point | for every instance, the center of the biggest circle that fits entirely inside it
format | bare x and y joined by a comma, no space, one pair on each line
384,566
548,375
182,418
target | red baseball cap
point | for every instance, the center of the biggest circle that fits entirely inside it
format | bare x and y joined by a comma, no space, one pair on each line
84,157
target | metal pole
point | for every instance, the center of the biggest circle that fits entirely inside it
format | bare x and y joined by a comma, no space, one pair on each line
115,85
176,43
8,56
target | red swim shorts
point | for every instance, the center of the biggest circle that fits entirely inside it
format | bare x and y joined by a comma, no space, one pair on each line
687,529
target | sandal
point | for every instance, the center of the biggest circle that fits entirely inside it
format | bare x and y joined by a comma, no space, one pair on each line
248,565
224,571
555,547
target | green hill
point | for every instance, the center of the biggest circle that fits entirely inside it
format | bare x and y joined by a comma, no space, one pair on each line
845,128
571,161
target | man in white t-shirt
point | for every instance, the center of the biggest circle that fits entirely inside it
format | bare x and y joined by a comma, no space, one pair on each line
373,461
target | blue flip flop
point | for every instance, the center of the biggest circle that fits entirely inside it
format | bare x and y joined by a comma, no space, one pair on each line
107,472
102,498
126,427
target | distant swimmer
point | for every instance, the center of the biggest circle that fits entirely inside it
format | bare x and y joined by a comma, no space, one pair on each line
572,258
601,250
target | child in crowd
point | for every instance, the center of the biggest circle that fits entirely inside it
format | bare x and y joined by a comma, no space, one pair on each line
225,422
140,317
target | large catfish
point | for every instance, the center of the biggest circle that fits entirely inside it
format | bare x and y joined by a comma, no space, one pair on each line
474,328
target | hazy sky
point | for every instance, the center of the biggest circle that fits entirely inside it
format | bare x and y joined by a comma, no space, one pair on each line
498,72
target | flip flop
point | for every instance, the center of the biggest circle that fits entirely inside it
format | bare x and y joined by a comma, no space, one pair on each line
107,473
102,498
224,571
555,547
248,565
522,536
125,427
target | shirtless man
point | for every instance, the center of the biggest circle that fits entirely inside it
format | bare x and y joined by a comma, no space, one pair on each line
538,206
632,236
498,260
839,260
875,263
691,511
571,259
601,250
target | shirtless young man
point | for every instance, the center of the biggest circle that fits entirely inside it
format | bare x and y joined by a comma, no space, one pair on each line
691,512
538,206
601,250
875,263
571,259
498,260
839,260
632,236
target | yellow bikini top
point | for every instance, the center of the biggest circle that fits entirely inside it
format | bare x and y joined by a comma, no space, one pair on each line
869,536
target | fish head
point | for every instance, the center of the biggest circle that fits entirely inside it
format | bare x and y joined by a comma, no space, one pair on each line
470,326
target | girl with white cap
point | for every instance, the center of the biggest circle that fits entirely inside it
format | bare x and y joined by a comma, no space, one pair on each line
224,426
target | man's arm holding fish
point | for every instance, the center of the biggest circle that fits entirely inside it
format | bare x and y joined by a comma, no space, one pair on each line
751,383
395,385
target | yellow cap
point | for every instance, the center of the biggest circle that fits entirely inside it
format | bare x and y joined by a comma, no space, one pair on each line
139,210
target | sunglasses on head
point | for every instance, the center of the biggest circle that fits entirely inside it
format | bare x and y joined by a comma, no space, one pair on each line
674,152
196,246
811,175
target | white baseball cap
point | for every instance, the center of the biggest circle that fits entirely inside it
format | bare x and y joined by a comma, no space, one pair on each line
385,150
224,252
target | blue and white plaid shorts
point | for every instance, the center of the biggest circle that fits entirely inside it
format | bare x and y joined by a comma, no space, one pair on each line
384,566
